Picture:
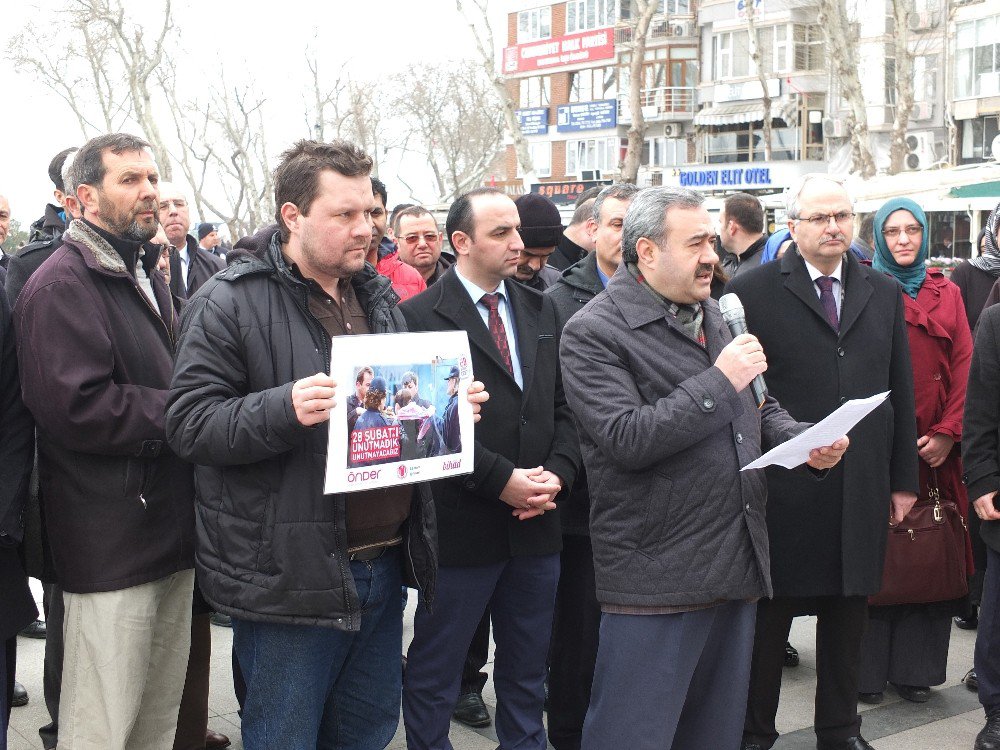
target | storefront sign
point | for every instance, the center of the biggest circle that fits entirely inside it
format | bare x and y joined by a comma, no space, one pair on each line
735,92
598,115
736,178
534,121
572,49
565,193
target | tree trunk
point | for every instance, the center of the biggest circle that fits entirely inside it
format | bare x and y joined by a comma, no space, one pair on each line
904,88
842,49
758,60
485,46
637,129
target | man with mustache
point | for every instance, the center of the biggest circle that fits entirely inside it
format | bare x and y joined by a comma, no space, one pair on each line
832,330
659,388
95,331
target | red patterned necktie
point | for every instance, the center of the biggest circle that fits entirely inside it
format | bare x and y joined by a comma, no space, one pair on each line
826,300
497,328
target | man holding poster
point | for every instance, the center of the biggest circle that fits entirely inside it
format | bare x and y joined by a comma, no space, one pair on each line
311,581
498,545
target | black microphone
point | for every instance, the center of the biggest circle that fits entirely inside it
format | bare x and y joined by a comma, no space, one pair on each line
736,319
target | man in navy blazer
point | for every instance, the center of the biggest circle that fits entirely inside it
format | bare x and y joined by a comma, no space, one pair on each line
499,534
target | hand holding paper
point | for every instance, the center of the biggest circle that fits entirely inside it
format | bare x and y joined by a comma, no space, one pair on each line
828,432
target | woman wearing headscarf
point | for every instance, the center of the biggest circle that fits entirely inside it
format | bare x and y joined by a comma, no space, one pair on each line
907,644
975,278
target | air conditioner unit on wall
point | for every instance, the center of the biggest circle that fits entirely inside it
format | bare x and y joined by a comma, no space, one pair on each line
590,175
920,145
672,130
681,28
834,127
922,111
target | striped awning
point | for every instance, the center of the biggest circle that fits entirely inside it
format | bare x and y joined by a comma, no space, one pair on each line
733,113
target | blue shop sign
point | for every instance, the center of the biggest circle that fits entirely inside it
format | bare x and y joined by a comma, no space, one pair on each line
534,121
741,177
587,116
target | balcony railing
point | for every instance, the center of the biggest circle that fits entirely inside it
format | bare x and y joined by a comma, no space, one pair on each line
662,27
664,103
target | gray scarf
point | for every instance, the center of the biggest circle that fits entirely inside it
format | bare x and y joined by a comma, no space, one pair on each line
989,260
689,317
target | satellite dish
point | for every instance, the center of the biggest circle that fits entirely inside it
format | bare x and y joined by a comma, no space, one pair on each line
995,148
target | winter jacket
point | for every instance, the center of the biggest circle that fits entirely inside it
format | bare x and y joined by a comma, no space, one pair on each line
95,360
271,546
406,281
674,522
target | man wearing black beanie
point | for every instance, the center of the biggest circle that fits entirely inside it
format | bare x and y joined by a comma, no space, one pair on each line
541,230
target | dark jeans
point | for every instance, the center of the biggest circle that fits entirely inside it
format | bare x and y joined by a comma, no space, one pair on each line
573,653
317,688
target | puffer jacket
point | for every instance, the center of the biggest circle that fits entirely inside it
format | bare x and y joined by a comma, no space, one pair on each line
406,281
270,545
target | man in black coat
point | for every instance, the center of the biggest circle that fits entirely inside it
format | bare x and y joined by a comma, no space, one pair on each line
741,233
190,265
311,581
16,448
578,613
981,459
832,330
498,539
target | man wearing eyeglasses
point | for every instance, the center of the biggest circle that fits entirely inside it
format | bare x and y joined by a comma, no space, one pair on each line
420,242
832,330
190,265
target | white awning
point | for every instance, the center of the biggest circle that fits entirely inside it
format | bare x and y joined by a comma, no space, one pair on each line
733,114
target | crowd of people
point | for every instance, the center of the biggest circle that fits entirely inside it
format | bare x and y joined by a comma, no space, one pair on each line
163,410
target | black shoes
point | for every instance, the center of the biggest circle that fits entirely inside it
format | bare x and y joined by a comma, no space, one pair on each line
20,696
968,620
215,740
35,630
471,711
971,681
223,621
914,693
851,743
989,737
791,655
872,699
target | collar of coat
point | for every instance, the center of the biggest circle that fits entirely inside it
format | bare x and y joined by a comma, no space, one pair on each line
99,249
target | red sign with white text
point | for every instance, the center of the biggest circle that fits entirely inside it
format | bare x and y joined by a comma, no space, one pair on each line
564,50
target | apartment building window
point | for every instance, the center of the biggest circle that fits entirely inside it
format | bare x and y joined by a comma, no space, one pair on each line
583,15
591,153
535,91
664,152
810,48
775,48
541,158
669,7
593,84
534,24
925,72
731,52
977,63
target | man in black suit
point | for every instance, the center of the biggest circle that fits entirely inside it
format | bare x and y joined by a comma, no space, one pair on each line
499,541
832,330
190,265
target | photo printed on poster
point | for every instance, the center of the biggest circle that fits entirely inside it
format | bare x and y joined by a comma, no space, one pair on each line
402,412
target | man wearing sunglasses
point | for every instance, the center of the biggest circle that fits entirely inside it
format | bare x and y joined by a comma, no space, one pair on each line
420,242
832,330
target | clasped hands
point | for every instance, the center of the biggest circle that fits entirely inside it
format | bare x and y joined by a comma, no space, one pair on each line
531,492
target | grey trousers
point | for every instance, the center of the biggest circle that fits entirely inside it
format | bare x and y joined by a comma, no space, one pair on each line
126,655
672,681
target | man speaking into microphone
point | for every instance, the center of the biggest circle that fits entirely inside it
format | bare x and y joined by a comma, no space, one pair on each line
660,389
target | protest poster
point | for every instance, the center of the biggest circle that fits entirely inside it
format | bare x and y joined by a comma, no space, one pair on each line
402,415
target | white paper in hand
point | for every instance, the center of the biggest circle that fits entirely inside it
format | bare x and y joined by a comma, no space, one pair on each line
795,452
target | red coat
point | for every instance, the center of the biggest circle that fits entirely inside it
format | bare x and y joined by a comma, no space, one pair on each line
406,280
940,353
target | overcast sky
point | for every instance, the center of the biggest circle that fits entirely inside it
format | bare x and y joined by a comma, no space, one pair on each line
265,41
